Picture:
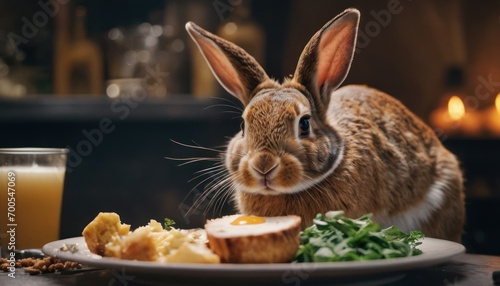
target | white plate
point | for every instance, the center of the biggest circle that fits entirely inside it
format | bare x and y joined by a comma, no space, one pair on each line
435,251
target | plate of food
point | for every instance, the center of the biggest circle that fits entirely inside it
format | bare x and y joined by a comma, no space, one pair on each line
254,249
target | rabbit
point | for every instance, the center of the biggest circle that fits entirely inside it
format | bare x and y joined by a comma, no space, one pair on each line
307,147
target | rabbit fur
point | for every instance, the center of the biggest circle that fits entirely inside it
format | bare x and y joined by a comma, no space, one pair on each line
307,147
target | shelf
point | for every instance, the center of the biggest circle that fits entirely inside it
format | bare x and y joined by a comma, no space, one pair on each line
94,108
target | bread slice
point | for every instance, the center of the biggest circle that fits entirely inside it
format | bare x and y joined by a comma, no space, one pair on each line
274,241
104,228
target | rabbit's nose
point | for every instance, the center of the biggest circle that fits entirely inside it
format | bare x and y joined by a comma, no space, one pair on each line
264,164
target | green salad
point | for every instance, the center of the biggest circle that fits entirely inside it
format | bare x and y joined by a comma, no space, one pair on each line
334,237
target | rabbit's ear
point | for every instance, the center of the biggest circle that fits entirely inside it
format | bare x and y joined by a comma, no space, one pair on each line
326,59
237,71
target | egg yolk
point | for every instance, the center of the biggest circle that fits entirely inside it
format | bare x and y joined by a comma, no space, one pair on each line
251,219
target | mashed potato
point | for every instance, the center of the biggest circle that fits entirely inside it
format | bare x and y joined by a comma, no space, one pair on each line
106,236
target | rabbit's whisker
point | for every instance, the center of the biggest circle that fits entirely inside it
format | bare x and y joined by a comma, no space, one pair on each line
214,202
224,198
196,146
209,189
210,169
237,109
231,103
207,171
193,160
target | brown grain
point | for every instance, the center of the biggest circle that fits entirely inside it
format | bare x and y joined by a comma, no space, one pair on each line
36,266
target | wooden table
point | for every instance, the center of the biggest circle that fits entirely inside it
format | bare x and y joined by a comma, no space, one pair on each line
466,269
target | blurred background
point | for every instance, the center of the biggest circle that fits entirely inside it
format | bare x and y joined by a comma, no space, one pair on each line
119,83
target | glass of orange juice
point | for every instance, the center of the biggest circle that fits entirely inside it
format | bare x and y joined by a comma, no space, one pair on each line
31,190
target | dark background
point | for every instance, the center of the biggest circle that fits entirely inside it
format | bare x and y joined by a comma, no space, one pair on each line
127,172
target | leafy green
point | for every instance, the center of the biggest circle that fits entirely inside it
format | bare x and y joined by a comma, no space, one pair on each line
334,237
168,223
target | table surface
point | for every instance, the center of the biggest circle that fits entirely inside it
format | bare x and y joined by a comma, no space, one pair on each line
465,269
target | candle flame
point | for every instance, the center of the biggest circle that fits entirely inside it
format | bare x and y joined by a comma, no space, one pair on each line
497,102
456,108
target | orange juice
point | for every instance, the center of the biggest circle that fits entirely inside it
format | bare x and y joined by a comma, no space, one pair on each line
33,215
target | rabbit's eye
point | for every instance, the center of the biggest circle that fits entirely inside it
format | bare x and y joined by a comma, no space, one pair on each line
304,125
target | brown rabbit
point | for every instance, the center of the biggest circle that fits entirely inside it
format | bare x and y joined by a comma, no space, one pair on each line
307,148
